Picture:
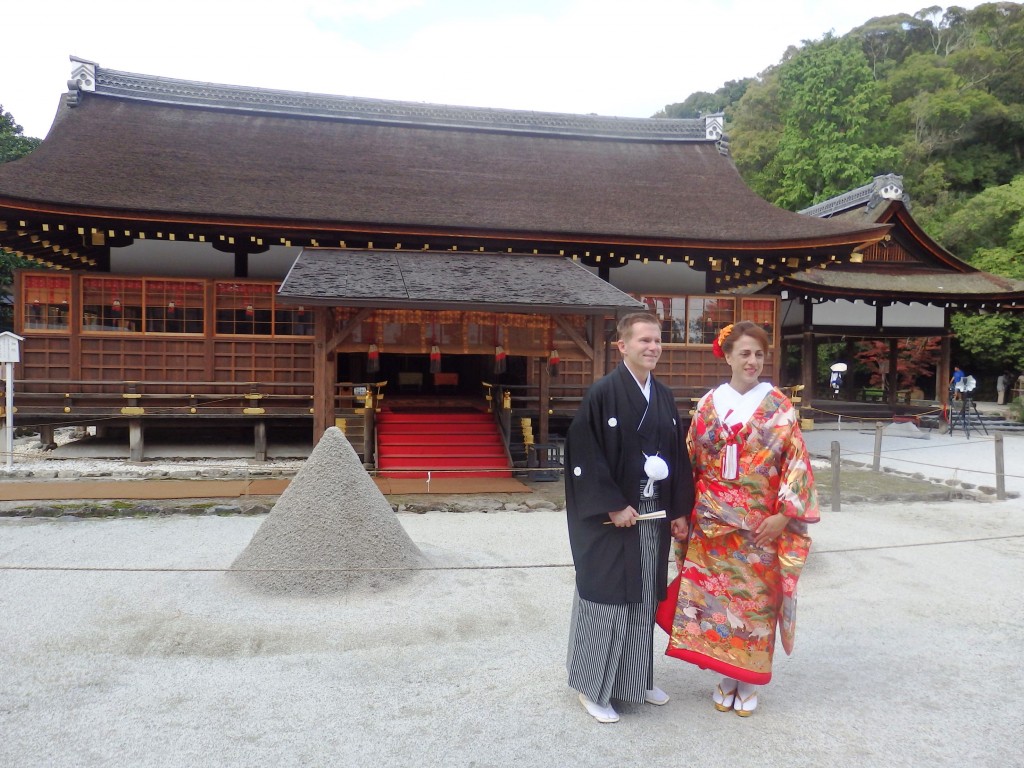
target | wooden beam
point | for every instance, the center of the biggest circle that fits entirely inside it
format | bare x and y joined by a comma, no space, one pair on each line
569,331
346,330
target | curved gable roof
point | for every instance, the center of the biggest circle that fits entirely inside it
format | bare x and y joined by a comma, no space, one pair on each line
907,266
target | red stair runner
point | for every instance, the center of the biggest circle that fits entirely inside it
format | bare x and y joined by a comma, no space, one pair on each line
453,443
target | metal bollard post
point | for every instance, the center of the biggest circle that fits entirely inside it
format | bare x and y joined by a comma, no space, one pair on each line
835,476
876,463
1000,468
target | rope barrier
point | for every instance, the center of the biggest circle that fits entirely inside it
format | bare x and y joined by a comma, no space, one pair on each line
380,569
927,464
848,417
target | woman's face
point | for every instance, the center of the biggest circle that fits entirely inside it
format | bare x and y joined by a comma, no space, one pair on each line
746,358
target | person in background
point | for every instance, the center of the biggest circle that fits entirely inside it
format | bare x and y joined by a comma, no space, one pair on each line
956,378
755,497
1001,382
625,458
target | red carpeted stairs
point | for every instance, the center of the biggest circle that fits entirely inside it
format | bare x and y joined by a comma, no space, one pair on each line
450,443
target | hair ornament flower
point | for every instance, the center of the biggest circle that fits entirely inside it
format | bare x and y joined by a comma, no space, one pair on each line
716,345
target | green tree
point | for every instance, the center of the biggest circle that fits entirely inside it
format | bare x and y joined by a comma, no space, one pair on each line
830,111
992,342
13,144
991,219
704,103
988,231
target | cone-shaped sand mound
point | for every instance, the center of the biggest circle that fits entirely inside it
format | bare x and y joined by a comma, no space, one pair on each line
331,531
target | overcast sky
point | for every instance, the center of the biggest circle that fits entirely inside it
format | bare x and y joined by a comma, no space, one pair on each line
612,57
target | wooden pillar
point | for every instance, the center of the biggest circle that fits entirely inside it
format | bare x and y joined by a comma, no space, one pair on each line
943,373
136,442
260,435
46,436
369,426
545,401
807,366
323,372
241,264
894,373
599,346
782,375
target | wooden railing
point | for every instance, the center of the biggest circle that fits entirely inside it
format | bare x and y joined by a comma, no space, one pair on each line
72,399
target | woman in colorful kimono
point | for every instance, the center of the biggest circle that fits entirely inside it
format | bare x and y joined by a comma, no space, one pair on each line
755,497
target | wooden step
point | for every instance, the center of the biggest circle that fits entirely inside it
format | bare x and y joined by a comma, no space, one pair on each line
453,443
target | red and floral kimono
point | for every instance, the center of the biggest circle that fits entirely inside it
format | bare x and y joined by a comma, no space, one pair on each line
731,593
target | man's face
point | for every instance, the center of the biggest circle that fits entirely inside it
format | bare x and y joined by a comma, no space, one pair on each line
641,348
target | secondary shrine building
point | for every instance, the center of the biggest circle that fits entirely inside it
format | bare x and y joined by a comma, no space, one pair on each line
238,255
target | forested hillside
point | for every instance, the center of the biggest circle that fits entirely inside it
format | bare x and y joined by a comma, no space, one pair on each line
936,96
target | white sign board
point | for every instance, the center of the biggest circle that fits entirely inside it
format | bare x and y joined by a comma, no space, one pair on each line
10,347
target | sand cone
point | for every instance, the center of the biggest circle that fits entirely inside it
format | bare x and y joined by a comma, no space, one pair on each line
328,532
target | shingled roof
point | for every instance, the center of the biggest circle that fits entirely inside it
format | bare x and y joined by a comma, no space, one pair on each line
398,280
135,147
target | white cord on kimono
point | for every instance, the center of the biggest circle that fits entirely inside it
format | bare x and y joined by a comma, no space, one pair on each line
730,456
656,469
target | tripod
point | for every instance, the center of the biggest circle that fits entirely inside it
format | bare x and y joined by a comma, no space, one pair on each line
967,406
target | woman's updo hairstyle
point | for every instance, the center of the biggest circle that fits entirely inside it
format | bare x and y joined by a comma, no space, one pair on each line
746,328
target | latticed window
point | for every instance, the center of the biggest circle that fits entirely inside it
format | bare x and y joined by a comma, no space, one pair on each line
762,312
245,308
112,304
691,319
146,305
174,306
293,321
251,309
46,302
705,317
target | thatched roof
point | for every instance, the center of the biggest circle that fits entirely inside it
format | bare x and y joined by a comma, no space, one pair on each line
136,148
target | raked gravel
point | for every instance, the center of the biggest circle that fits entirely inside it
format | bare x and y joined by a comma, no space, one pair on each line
905,652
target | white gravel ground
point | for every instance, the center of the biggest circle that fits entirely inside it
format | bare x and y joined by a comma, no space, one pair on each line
71,459
907,652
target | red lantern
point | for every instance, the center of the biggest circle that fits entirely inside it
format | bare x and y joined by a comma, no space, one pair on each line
553,361
499,359
373,359
115,306
435,359
249,311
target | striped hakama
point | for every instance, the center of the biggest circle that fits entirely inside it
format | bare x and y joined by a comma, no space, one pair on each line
611,653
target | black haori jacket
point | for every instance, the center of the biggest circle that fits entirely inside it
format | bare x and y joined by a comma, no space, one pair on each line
604,472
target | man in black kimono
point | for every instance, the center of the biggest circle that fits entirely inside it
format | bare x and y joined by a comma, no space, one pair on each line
612,478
